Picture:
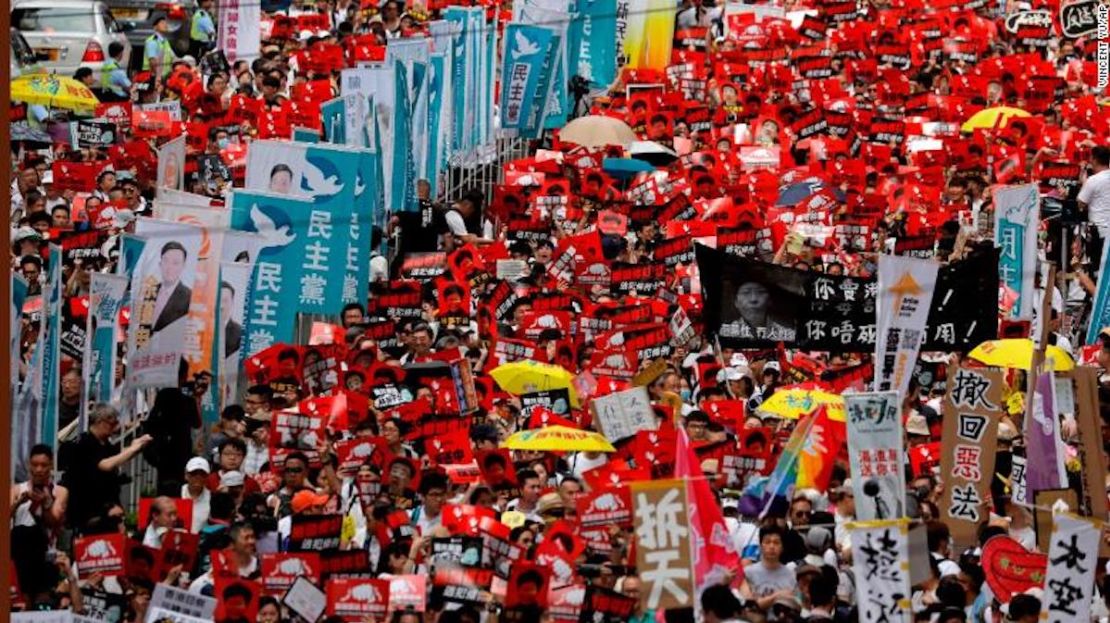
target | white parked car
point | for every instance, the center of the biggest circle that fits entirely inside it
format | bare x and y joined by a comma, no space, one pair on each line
67,34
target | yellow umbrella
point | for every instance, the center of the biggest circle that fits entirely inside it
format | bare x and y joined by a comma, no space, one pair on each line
792,403
1018,353
596,131
558,439
55,92
522,377
996,117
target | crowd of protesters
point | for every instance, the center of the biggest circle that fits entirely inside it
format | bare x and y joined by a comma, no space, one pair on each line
794,557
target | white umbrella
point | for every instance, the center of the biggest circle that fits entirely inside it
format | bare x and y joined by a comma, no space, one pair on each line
597,131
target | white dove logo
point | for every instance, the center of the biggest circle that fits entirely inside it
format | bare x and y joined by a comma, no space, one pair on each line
523,46
101,549
318,185
362,592
275,236
614,361
608,502
575,597
362,450
293,566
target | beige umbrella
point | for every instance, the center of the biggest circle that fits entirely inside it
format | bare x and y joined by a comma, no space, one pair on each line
597,131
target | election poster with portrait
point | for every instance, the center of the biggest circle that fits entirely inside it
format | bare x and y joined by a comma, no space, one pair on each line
162,284
327,176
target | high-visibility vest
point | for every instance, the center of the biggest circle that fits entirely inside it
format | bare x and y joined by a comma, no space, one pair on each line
106,74
167,54
195,33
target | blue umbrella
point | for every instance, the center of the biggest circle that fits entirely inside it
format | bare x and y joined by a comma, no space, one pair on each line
625,167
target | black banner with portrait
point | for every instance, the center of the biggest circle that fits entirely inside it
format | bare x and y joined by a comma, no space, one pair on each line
751,304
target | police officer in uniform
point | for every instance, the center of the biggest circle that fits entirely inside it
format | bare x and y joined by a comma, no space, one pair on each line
114,84
202,31
158,55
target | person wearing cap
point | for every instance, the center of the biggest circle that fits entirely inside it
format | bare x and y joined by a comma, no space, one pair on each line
233,483
304,503
194,490
202,30
158,54
770,374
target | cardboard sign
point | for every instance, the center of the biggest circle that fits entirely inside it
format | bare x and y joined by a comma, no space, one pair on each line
356,598
663,543
305,599
623,414
104,554
181,601
972,407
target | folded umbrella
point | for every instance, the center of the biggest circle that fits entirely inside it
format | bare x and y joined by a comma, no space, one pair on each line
559,439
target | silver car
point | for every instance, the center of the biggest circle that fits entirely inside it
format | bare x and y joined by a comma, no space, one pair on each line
67,34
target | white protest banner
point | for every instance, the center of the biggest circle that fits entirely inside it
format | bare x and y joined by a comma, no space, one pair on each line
1072,559
161,294
1016,210
905,294
239,29
875,452
183,602
663,542
881,563
623,414
171,163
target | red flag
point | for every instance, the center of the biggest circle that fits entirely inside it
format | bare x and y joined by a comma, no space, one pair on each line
713,550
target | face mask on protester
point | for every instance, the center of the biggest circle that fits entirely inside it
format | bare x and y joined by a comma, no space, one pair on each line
223,143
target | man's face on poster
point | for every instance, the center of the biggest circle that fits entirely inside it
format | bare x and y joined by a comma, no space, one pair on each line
751,297
172,264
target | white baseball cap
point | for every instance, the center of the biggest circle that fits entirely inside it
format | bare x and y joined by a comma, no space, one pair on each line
197,464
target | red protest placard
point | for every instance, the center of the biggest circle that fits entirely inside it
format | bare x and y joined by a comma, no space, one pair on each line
76,176
279,571
103,554
605,507
407,592
236,599
527,585
151,123
353,453
179,549
355,599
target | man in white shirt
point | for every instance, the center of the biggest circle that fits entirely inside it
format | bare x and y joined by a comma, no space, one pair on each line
1094,196
163,516
196,489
